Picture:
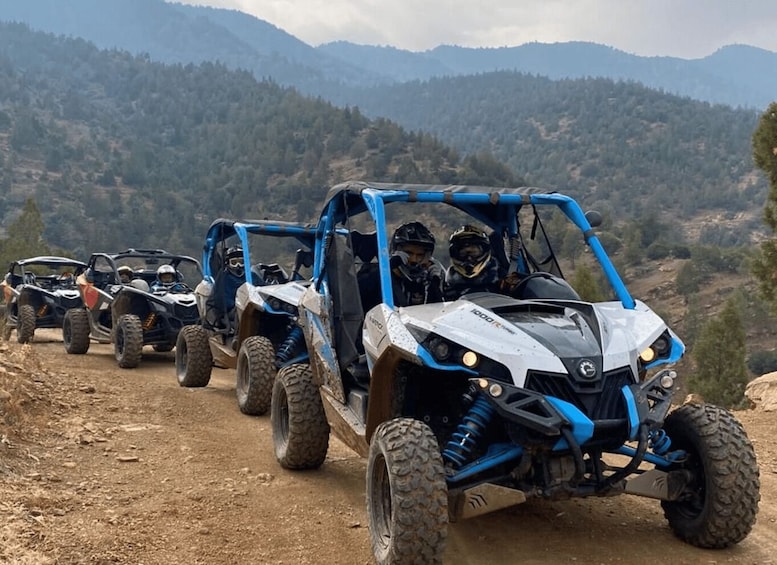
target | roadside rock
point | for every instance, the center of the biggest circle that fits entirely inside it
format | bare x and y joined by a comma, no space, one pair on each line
763,392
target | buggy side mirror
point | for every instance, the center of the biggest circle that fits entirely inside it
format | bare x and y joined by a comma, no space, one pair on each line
594,218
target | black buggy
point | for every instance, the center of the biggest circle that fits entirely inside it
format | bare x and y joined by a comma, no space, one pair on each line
37,292
131,313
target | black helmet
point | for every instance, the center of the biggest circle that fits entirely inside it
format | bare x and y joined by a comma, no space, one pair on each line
470,251
412,233
234,261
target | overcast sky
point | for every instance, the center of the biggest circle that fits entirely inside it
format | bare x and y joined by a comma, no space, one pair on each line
678,28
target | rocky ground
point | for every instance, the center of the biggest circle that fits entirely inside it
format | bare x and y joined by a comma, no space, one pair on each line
101,465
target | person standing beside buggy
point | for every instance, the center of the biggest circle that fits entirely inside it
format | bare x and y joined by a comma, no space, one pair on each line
416,275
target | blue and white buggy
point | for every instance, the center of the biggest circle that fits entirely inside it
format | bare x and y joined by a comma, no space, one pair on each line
471,405
247,322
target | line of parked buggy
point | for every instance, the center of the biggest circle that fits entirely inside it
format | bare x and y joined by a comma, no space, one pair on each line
463,406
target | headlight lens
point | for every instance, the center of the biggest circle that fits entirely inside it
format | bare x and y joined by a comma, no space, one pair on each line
660,348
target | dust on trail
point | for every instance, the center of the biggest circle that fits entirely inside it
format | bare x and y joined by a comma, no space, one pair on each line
106,465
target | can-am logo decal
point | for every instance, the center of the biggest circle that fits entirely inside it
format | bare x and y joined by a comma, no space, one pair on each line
586,369
494,322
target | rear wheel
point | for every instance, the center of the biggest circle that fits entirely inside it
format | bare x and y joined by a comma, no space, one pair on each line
128,344
25,329
719,505
75,331
407,498
193,360
255,375
300,432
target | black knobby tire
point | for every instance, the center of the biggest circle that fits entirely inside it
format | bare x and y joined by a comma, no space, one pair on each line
163,347
25,328
193,359
128,341
719,507
407,497
255,375
75,331
300,431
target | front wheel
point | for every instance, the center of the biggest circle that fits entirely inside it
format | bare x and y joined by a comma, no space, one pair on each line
255,375
719,505
25,329
193,359
128,345
300,431
75,331
407,498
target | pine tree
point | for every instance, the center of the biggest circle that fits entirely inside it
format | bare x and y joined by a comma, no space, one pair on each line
586,285
721,371
25,236
764,265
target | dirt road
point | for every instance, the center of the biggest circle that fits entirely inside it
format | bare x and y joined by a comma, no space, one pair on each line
102,465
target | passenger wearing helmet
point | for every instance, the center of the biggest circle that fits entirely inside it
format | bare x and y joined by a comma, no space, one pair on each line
167,280
125,274
416,275
234,275
473,269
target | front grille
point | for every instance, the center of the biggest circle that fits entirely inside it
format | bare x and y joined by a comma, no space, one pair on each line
186,314
602,403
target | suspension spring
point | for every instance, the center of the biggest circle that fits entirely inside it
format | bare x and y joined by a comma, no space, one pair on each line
659,442
290,345
464,440
149,322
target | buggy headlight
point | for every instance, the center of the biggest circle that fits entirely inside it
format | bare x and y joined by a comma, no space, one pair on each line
441,349
451,354
470,359
289,308
275,304
661,347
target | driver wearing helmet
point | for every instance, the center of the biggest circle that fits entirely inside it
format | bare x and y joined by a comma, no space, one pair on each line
473,269
125,274
416,275
167,280
235,270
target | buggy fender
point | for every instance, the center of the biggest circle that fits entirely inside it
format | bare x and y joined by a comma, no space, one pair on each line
386,342
317,326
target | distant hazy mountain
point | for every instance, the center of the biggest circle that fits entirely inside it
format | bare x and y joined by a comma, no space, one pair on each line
737,75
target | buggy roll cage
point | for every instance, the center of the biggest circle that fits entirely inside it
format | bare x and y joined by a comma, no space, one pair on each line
497,208
222,230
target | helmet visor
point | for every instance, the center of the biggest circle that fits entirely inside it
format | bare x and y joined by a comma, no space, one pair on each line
469,250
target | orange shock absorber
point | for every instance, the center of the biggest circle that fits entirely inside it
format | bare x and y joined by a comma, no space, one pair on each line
42,310
149,322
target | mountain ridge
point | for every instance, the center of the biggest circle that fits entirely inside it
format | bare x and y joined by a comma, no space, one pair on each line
735,75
